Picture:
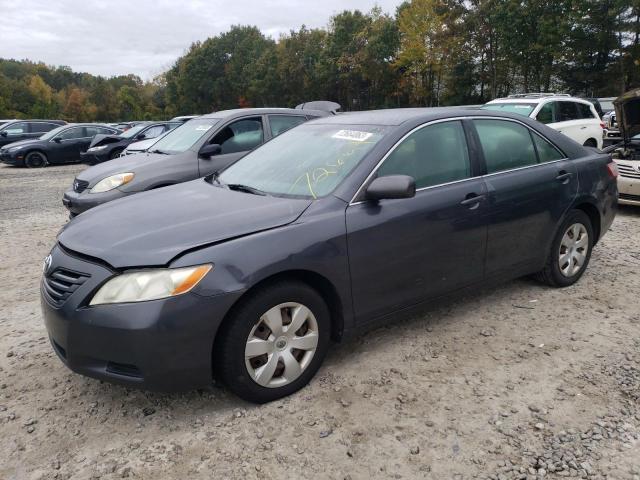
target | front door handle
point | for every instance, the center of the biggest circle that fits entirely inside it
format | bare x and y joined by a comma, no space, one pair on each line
473,200
564,176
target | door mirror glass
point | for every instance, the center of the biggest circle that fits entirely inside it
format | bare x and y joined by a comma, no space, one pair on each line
57,139
141,136
390,187
210,150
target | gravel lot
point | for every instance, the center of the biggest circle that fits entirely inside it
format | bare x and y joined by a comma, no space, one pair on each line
519,381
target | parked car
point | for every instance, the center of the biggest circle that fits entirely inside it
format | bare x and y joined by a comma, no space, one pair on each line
6,120
626,153
336,226
611,134
606,103
108,147
197,148
60,145
16,130
575,117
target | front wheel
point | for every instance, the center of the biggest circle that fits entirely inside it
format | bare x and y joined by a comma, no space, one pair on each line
35,160
274,342
570,252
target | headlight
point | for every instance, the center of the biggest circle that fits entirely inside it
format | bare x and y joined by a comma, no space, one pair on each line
150,284
97,149
109,183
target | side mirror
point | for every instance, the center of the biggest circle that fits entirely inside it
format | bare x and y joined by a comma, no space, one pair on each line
210,150
3,133
392,186
57,139
141,136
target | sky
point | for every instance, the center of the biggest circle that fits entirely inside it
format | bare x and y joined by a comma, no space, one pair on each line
145,37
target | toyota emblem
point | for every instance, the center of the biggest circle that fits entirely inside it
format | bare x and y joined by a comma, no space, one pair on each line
46,265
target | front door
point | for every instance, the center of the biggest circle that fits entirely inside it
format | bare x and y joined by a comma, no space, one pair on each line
407,250
236,139
530,186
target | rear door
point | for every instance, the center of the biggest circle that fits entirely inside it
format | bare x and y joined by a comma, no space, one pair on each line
530,185
236,139
567,120
591,127
407,250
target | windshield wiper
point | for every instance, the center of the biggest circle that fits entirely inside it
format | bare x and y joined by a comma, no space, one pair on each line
159,151
245,188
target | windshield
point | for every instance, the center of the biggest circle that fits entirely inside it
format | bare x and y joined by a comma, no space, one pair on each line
308,161
132,132
53,133
524,109
185,136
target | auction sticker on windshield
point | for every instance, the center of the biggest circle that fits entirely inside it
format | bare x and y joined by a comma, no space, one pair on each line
354,135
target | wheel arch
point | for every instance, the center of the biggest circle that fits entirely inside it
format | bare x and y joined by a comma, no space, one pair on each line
594,215
318,282
35,149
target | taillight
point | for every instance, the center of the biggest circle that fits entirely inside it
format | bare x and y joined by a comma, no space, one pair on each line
612,168
602,125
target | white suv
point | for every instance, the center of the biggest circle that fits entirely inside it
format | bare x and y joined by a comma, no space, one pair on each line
575,117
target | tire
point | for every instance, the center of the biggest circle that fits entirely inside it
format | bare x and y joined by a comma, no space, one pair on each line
591,143
570,235
247,324
35,159
115,153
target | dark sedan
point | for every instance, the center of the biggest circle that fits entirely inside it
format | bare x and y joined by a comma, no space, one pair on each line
336,226
108,147
61,145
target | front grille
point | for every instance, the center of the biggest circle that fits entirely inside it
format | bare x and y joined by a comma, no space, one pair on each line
628,196
628,171
61,283
80,186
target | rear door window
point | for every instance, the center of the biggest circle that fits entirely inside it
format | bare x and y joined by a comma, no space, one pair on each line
584,111
281,123
566,111
42,127
240,136
505,145
433,155
546,151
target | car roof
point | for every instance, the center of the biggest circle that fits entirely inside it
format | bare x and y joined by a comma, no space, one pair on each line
224,114
397,116
60,122
538,99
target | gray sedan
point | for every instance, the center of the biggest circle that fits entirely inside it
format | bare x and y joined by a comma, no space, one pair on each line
200,147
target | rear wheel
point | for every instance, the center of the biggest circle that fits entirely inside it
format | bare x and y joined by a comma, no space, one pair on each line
35,160
274,342
570,252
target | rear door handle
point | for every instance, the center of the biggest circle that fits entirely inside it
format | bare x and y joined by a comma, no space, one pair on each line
473,200
564,176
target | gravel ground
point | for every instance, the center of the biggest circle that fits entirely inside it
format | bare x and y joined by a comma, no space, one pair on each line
519,381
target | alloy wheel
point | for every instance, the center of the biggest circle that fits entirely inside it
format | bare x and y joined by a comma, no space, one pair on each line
574,247
281,344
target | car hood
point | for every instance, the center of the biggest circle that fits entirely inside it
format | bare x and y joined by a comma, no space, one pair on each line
102,139
628,114
128,163
152,228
